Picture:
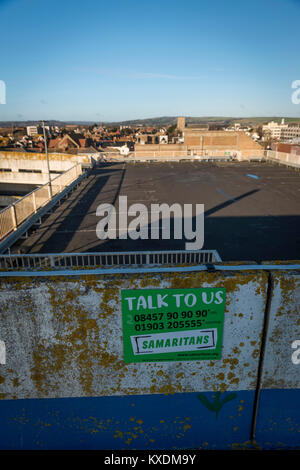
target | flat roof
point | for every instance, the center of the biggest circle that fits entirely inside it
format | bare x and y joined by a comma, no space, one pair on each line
252,210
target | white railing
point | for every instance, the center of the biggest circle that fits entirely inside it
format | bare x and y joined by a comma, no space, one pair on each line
192,155
124,258
13,216
162,157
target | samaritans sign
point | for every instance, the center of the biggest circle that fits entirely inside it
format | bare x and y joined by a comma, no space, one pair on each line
173,324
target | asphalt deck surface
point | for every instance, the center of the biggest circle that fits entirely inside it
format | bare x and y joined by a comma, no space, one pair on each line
252,210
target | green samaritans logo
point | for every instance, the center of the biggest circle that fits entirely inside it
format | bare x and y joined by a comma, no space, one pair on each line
173,324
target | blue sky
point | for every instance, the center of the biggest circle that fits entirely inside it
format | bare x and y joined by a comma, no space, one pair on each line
115,60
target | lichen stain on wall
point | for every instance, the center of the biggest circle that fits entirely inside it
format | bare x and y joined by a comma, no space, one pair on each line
69,336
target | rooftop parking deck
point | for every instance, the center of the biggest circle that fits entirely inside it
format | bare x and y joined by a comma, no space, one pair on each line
252,210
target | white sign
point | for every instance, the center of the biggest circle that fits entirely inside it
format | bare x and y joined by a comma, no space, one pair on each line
177,341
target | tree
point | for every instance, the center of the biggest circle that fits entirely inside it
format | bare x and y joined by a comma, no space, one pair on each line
172,131
260,131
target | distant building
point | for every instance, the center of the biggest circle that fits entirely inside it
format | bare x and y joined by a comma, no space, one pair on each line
204,141
157,138
274,129
291,132
255,136
202,127
124,150
237,127
64,144
181,123
163,139
282,131
33,130
286,148
18,133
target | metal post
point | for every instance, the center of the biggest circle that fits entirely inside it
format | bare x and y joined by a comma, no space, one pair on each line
47,157
34,203
14,216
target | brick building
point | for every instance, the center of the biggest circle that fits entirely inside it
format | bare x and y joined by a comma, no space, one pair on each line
199,140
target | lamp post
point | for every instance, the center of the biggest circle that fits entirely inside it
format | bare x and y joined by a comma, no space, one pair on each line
47,157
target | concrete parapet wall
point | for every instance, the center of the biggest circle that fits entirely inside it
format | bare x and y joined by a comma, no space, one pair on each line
32,168
217,146
27,156
193,154
278,423
25,177
219,139
64,344
284,328
289,159
30,171
29,165
64,337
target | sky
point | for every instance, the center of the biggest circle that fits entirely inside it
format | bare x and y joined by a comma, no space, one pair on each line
118,60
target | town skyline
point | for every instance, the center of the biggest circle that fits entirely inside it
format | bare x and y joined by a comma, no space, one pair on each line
156,120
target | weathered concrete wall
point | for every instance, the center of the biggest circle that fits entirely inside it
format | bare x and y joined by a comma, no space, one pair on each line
219,140
32,168
284,328
63,340
278,424
27,156
34,178
156,150
64,337
15,165
289,159
24,170
197,142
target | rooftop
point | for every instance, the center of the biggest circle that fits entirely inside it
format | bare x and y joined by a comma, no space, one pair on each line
252,210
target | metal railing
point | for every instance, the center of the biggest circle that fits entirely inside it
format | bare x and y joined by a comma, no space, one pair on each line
124,258
13,216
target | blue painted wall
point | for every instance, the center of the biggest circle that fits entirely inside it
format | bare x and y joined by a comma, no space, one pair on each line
278,423
180,421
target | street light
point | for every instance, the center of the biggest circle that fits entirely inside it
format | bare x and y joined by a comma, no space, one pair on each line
47,157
